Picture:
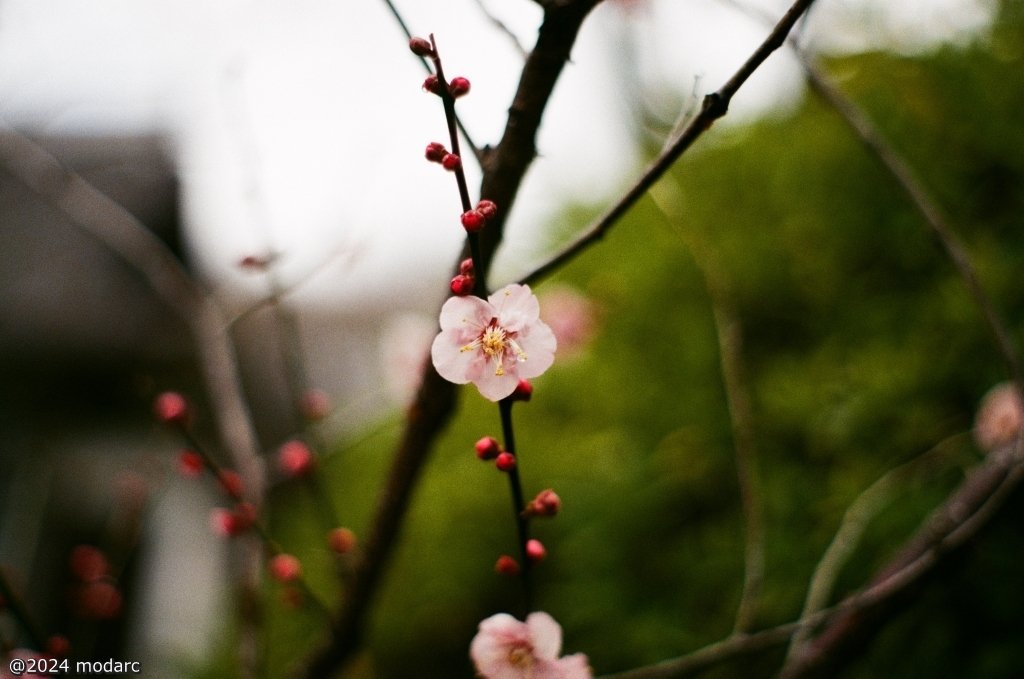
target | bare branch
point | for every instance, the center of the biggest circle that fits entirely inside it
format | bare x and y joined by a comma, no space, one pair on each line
715,106
957,521
855,520
436,399
116,228
477,152
928,208
502,28
729,331
950,526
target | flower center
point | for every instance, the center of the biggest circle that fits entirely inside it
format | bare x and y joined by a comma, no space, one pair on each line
522,657
496,343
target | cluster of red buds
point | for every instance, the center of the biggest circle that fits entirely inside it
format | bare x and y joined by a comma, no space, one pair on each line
437,153
535,553
456,88
474,220
95,594
465,281
172,409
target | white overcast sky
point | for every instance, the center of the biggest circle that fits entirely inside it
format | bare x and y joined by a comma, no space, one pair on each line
299,124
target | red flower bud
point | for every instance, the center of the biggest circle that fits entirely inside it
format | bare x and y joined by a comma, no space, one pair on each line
89,564
231,482
432,84
505,461
535,550
451,162
506,565
228,523
458,87
473,221
295,459
547,503
462,285
190,463
466,267
223,522
285,568
523,392
421,47
100,600
487,448
487,208
341,540
170,407
436,152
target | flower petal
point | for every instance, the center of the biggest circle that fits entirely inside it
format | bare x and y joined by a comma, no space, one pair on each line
539,344
449,360
515,306
546,635
498,635
496,387
458,312
574,666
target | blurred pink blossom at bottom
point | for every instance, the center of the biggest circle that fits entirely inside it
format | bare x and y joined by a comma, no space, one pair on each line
505,648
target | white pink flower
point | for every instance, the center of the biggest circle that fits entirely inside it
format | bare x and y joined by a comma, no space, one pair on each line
493,343
505,648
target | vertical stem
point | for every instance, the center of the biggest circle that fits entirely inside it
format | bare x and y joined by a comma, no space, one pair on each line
480,286
518,502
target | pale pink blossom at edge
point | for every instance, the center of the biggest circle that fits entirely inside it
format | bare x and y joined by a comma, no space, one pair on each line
505,648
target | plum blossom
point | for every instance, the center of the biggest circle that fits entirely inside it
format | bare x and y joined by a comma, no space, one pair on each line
505,648
493,343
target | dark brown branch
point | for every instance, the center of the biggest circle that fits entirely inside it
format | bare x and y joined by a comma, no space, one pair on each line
436,400
504,171
951,526
715,106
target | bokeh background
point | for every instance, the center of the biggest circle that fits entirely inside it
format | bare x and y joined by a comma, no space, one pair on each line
862,350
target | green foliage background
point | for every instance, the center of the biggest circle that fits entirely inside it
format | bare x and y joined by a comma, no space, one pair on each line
863,350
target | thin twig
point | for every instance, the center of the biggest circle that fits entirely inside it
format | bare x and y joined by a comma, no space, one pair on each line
714,106
957,520
928,208
477,152
522,521
996,478
435,400
855,520
729,333
117,229
502,28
